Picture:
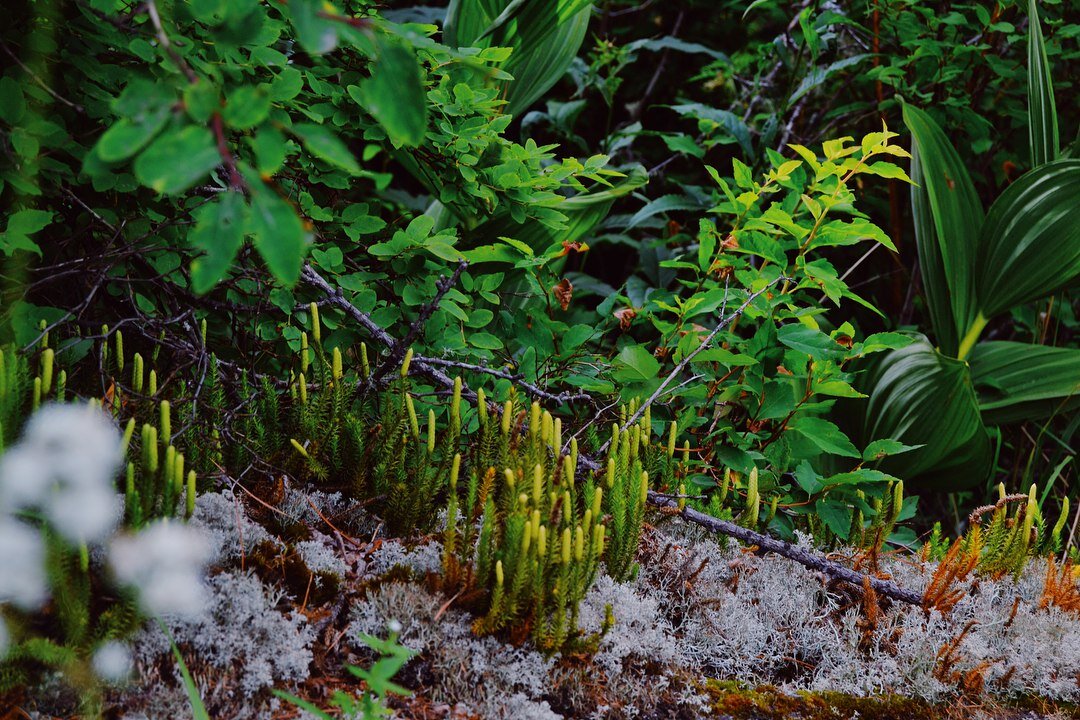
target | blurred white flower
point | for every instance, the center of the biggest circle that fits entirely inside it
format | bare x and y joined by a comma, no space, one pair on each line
85,513
66,464
23,479
22,564
112,662
165,562
81,442
394,626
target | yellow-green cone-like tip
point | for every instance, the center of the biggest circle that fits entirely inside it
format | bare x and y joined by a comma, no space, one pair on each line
405,363
298,447
430,431
1060,524
414,423
316,326
455,405
189,504
508,408
526,539
365,367
455,470
538,483
166,422
47,359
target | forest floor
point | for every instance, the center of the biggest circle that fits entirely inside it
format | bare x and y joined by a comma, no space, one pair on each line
706,629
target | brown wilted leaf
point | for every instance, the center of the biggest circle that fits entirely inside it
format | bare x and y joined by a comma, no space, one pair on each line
626,316
569,247
564,293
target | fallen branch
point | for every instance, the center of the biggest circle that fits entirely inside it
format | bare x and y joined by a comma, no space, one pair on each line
800,555
426,366
335,298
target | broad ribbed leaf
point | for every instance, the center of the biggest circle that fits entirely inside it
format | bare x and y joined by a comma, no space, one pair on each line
932,267
1016,381
1030,243
948,216
1042,113
920,397
545,36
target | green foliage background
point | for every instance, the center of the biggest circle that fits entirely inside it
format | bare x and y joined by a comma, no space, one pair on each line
617,177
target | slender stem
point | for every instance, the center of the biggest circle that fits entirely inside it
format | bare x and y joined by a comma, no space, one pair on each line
972,337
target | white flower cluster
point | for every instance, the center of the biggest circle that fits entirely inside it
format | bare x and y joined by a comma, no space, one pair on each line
63,468
164,561
63,471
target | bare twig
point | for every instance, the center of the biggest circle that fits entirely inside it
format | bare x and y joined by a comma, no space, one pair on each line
236,181
426,366
515,378
163,40
310,276
639,107
397,353
74,106
800,555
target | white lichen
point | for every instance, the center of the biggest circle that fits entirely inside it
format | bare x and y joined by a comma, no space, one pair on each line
320,557
420,559
226,526
240,638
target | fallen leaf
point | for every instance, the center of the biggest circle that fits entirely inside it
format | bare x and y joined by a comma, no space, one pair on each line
574,246
564,293
626,316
